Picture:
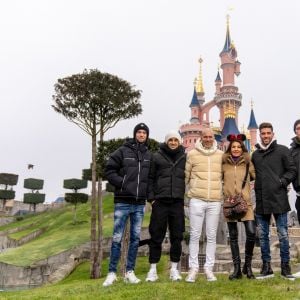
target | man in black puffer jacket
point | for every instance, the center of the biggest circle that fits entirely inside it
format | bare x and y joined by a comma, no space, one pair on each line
295,151
127,170
275,169
166,194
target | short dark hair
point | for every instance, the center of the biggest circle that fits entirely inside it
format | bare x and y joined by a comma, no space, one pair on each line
265,125
228,150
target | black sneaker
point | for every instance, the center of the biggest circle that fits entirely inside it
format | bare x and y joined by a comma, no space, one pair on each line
286,272
266,271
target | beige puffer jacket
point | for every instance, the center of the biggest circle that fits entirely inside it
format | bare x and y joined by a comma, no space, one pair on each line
203,173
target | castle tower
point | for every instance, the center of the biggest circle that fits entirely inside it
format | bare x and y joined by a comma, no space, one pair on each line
229,98
252,127
218,83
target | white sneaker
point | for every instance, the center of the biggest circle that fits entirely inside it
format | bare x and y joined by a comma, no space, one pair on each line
192,275
175,275
110,279
296,275
130,277
209,275
151,275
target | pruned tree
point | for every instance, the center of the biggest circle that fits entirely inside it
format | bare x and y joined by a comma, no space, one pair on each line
7,180
34,197
75,197
96,102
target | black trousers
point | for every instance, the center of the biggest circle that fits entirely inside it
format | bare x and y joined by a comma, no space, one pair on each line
297,205
164,216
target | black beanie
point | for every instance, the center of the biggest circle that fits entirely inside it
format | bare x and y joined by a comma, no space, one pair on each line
142,126
295,125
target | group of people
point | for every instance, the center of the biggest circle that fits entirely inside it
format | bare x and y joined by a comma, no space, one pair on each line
206,176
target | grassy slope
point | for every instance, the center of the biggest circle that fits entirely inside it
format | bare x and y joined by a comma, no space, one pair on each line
78,286
61,233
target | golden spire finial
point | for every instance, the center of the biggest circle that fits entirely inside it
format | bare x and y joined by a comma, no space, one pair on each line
199,85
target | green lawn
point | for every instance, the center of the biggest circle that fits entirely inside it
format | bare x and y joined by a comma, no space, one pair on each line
61,233
79,286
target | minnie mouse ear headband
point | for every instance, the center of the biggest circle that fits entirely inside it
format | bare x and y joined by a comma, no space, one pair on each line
236,137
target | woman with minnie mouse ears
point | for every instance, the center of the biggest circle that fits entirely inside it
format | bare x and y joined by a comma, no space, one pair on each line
234,167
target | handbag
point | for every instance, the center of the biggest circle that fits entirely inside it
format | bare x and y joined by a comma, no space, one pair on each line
235,207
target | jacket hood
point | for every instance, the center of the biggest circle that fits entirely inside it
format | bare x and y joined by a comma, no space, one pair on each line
205,151
260,146
295,142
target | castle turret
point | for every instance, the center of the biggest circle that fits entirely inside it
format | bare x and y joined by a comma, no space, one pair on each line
218,83
230,66
194,108
252,127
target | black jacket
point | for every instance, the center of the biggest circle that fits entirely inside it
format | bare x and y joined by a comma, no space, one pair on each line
166,178
295,151
274,170
127,170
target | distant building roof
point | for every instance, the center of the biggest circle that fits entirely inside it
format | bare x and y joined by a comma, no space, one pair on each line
252,122
59,200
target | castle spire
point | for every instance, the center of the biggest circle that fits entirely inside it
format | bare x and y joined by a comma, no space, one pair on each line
199,82
228,42
252,121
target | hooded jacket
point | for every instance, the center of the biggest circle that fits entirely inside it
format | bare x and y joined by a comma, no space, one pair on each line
127,170
166,178
295,151
274,170
233,176
203,173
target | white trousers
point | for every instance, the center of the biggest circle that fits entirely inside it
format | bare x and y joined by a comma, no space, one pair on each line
198,210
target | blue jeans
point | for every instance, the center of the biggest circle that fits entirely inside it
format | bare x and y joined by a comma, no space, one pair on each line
122,212
263,222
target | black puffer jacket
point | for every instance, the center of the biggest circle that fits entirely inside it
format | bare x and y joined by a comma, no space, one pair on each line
166,178
127,170
295,151
274,170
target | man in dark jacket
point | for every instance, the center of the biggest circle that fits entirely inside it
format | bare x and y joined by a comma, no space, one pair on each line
274,169
166,194
295,151
127,170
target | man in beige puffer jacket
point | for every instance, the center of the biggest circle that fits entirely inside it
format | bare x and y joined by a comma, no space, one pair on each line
203,177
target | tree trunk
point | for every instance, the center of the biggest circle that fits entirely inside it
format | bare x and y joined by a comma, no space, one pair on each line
124,249
94,269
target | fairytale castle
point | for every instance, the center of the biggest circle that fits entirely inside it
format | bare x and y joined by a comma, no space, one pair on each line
227,98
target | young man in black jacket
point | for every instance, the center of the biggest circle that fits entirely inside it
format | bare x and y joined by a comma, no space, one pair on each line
166,194
274,170
127,170
295,151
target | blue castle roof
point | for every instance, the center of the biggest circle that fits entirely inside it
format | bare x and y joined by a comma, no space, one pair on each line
227,44
194,101
229,127
252,122
218,78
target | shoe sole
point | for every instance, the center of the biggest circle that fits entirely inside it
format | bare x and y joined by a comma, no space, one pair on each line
127,281
151,280
287,278
190,281
264,277
211,280
175,279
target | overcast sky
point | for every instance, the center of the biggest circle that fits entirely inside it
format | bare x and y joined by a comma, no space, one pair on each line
154,45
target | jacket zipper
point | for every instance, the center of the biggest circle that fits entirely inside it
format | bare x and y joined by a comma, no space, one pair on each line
123,182
208,176
137,188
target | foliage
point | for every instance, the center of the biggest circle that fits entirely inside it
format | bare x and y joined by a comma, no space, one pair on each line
75,184
93,96
7,194
8,179
33,184
34,198
76,198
